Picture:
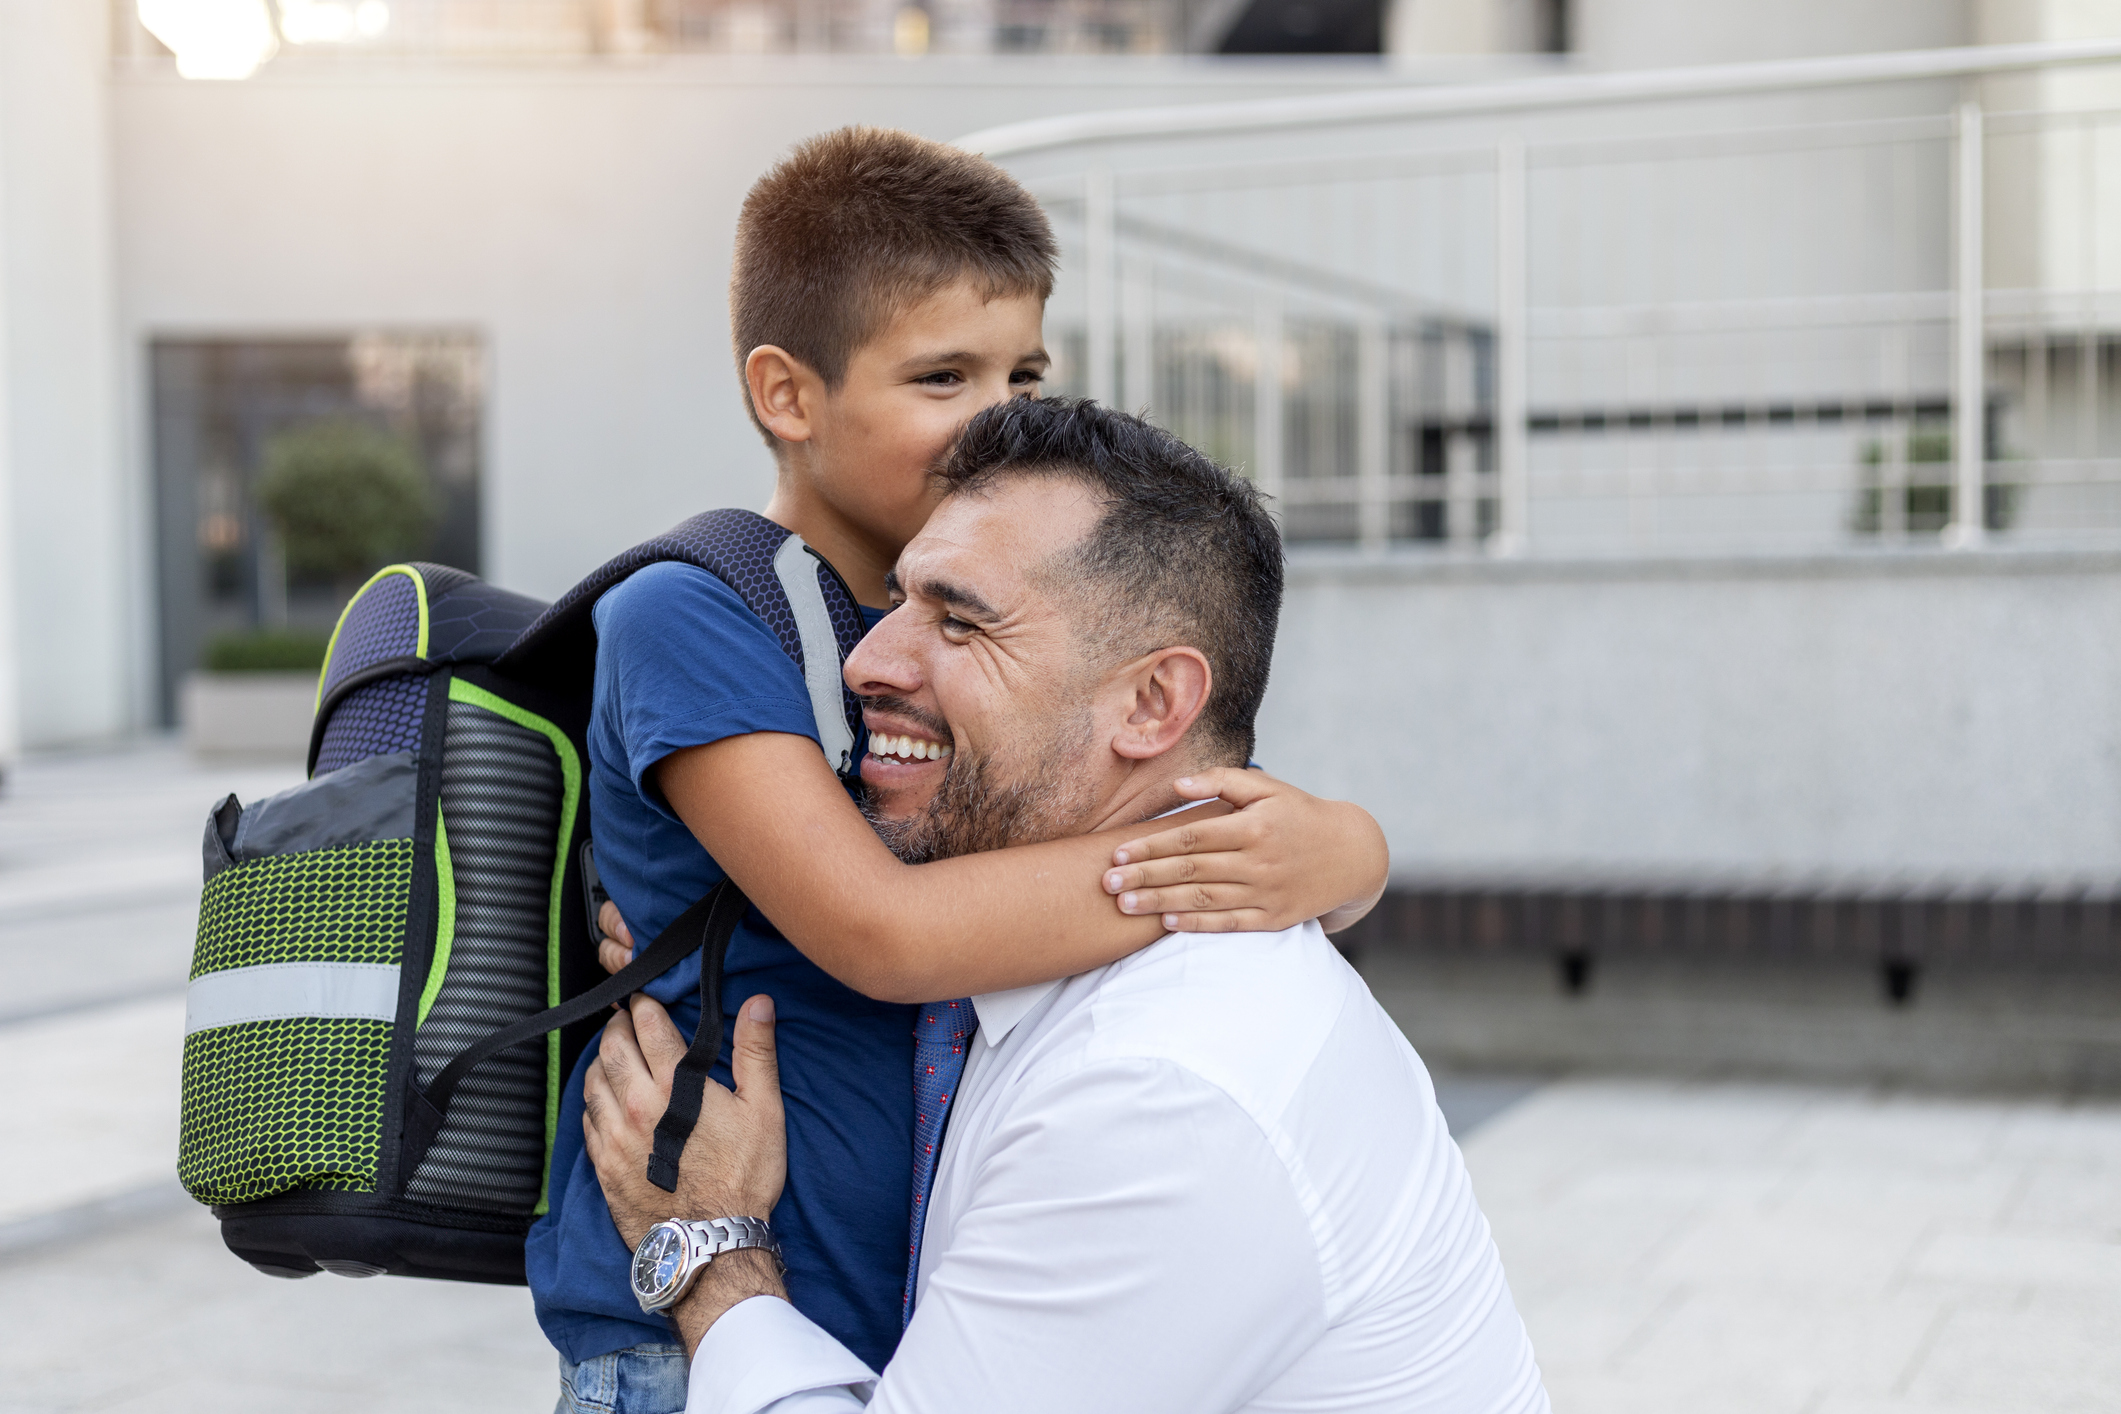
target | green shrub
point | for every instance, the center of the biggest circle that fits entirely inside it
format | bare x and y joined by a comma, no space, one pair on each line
346,497
267,651
1926,497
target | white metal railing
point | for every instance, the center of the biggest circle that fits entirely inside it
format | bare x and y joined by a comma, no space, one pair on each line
1788,306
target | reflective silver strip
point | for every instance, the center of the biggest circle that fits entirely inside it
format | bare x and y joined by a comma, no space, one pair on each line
821,649
280,990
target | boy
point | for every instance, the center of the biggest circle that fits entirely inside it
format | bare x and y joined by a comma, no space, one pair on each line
885,289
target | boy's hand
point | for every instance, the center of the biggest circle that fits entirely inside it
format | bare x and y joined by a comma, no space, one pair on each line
615,948
1281,857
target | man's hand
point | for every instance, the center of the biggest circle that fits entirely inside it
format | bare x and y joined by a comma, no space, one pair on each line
615,948
734,1165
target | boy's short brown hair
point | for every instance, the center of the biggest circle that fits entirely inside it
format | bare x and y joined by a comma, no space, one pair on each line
856,225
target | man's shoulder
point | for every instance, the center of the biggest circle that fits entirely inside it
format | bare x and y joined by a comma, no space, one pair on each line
1250,1013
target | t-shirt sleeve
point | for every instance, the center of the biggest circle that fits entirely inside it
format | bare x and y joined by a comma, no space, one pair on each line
685,663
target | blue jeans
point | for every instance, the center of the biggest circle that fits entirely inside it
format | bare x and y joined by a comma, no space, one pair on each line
641,1379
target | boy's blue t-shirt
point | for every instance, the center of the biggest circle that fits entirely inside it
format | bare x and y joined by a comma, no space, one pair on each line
681,662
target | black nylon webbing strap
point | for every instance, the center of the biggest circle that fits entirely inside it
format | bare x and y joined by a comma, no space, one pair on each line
686,935
689,1085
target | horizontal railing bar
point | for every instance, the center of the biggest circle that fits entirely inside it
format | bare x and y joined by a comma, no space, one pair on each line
1748,414
1550,321
1684,317
1379,168
1622,483
1532,95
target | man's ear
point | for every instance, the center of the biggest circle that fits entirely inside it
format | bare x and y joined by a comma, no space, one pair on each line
1168,689
785,392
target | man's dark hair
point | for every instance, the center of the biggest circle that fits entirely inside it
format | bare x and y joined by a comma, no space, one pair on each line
858,224
1184,554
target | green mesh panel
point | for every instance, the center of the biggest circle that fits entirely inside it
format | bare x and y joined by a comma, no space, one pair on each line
328,905
271,1106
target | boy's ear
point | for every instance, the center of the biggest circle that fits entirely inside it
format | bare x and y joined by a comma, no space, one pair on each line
785,392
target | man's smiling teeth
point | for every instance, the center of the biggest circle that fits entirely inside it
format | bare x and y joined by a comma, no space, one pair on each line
908,748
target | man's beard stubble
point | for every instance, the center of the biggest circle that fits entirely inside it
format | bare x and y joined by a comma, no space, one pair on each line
975,809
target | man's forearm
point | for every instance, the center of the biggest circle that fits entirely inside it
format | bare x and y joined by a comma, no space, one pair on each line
730,1278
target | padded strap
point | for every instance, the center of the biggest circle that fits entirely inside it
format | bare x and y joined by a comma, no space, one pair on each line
797,569
697,927
688,1087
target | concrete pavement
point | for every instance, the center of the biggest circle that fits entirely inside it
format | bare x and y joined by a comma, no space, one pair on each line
1707,1245
1770,1249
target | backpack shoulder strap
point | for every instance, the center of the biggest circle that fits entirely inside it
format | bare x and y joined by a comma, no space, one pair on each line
779,578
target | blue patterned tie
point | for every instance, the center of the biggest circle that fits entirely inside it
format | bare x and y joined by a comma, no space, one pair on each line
939,1035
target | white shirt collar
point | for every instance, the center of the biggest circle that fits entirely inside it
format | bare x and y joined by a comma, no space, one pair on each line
998,1012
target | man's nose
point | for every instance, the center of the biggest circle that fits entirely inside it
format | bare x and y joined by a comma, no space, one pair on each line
882,664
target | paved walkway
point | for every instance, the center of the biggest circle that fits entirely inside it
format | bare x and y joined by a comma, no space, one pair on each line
1696,1247
1793,1250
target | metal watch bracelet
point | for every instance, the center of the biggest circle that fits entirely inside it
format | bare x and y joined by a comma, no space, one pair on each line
703,1240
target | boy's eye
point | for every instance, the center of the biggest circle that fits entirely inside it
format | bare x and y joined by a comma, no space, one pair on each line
1027,377
945,378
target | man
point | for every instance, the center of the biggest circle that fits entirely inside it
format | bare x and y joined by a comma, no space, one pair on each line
1211,1175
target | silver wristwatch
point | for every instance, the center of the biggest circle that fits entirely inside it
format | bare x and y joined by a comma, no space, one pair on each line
673,1254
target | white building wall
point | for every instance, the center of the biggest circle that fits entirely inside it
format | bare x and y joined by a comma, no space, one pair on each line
1931,721
67,522
2051,224
578,216
1870,717
1654,34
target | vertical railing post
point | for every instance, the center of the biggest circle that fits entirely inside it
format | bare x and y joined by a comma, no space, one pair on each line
1267,434
1100,238
1512,319
1137,322
1969,344
1373,435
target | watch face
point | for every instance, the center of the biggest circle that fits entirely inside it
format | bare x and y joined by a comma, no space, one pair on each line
657,1262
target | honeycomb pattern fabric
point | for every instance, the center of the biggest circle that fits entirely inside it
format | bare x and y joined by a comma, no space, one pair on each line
383,621
329,905
276,1105
501,791
472,621
272,1106
375,720
735,546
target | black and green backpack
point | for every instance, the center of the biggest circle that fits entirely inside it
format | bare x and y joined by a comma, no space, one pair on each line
395,970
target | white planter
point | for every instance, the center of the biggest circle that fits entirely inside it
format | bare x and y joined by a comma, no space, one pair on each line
248,714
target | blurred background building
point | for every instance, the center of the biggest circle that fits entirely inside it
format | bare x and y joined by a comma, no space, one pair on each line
1695,422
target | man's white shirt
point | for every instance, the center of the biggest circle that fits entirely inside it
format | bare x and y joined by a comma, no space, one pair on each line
1211,1176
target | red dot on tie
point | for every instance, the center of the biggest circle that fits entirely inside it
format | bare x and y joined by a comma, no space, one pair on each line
931,1070
946,1099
